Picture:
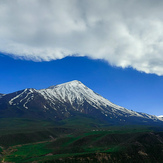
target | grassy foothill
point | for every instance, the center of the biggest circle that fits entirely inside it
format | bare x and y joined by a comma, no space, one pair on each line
78,146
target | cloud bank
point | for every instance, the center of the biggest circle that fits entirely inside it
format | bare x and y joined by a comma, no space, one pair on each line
125,33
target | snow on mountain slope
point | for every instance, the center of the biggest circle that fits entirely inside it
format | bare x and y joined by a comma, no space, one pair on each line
24,97
67,99
76,92
160,117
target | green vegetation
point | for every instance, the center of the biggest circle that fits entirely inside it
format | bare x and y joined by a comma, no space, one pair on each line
24,152
84,122
23,140
74,146
15,131
1,150
17,125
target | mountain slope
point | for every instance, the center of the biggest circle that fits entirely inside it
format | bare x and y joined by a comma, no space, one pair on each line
65,101
1,95
160,117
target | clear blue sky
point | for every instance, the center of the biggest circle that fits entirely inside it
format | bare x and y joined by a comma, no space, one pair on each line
126,87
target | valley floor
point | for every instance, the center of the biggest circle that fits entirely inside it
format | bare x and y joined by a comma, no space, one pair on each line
95,145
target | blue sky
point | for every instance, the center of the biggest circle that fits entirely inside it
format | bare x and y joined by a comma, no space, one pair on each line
126,87
115,47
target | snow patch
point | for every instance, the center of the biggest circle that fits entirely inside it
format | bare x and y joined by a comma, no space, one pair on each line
11,101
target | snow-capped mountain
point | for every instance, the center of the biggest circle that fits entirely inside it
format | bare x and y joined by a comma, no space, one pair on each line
160,117
67,100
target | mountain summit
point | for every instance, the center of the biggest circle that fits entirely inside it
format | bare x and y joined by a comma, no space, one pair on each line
76,93
68,100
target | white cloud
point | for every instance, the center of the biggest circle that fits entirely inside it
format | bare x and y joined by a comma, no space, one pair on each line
123,32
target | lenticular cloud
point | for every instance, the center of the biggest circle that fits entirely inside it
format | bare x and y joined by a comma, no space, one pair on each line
126,33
